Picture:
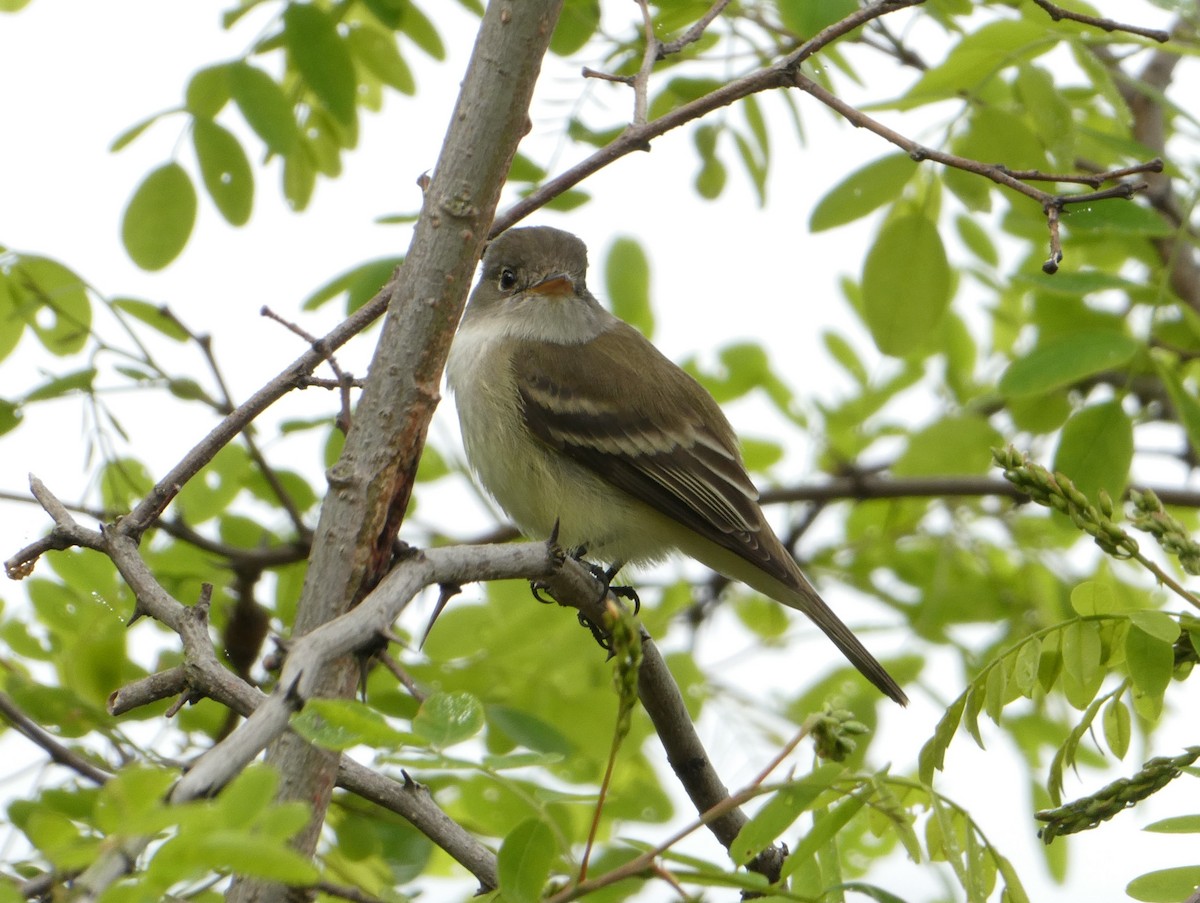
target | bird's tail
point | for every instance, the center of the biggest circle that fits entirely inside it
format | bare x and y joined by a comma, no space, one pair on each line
792,589
806,599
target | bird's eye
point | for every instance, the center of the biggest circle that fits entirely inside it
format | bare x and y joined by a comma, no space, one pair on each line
508,279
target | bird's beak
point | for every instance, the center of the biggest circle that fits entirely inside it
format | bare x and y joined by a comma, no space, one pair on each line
555,285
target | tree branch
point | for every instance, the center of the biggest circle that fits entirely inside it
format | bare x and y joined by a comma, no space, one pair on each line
23,724
638,137
1057,13
371,483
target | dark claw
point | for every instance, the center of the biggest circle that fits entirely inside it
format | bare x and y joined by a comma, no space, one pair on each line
627,592
605,576
537,589
602,637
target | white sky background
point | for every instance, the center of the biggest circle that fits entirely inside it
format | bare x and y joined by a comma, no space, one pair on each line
76,73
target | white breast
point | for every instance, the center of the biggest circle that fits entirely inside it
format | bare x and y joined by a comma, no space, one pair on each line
532,483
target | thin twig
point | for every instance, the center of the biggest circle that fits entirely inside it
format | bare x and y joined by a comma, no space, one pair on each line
641,81
638,137
693,34
344,380
23,724
1057,13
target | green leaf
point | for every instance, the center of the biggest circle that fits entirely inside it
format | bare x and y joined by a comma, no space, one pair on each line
264,106
1040,414
225,170
77,381
239,852
1184,401
123,482
53,301
342,723
155,316
980,55
843,352
523,864
1151,662
1048,110
864,190
209,493
976,238
995,134
359,284
871,891
448,718
1118,727
710,181
1116,217
956,445
128,136
1067,359
320,55
1095,449
12,324
760,455
1081,652
1158,624
804,18
678,91
208,91
627,282
1094,597
529,730
299,177
1176,824
824,830
906,284
1165,885
159,218
765,617
577,23
133,800
933,754
1025,667
783,808
389,12
568,200
755,168
525,170
376,49
10,416
417,27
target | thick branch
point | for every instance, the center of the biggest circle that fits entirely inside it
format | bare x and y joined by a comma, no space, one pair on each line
371,483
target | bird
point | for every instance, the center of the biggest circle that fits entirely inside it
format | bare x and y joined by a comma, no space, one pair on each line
574,422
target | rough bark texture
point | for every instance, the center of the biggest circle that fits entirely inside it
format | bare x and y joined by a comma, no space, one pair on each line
369,486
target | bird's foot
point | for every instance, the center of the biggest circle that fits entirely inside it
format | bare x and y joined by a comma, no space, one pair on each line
605,575
602,636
